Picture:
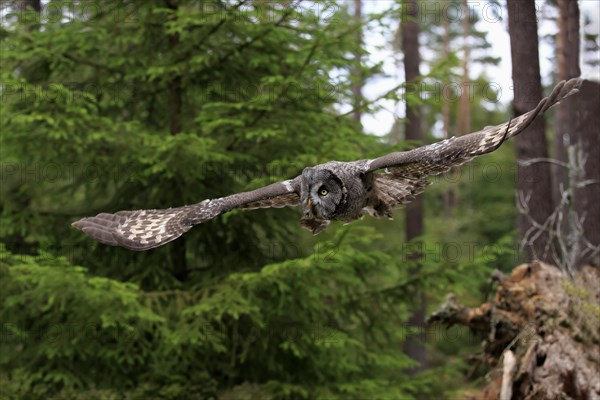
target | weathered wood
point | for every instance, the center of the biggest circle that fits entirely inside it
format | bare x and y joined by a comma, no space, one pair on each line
507,375
548,323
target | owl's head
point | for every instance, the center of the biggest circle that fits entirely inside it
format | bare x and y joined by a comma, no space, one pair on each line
321,194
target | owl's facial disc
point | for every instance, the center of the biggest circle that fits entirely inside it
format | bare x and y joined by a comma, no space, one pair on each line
322,192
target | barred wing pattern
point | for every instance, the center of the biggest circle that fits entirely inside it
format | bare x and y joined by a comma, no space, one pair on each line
405,174
439,157
145,229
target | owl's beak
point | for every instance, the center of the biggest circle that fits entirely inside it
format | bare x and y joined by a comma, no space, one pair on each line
308,208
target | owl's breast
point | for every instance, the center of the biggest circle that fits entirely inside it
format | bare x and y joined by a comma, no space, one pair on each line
356,199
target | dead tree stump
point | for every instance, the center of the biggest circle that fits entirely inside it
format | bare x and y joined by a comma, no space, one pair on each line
543,333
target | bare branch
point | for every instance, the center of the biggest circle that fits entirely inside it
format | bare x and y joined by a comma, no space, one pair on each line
508,368
537,160
564,226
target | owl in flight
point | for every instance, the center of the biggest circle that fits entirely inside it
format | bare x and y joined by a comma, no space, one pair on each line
336,190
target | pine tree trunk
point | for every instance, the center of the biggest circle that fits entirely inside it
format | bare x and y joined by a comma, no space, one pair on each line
568,67
414,212
30,12
534,181
577,124
586,120
449,199
463,119
356,73
29,5
178,254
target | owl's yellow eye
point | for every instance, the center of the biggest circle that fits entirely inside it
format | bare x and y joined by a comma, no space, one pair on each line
323,192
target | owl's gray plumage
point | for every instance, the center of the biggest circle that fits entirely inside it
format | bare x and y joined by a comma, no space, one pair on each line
335,190
146,229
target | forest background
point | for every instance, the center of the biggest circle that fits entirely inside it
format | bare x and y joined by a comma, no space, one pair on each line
115,105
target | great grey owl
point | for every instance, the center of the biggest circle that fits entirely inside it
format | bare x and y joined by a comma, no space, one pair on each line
335,190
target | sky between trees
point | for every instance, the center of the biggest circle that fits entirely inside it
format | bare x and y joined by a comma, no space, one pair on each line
494,21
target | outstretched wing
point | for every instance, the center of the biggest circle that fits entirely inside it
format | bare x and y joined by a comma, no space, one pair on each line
145,229
405,172
439,157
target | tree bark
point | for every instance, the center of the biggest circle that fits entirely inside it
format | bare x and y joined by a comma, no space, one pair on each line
30,11
463,119
586,119
409,30
175,100
534,181
577,122
567,43
357,72
449,198
25,5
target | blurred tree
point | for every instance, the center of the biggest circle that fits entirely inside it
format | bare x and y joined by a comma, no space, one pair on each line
463,117
357,71
29,5
583,134
567,51
587,141
534,181
449,195
409,31
31,8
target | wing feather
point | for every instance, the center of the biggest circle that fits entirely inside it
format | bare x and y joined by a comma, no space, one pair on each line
410,168
439,157
145,229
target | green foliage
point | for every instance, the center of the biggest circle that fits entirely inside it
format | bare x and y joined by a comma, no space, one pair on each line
169,106
145,105
60,328
69,330
584,311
